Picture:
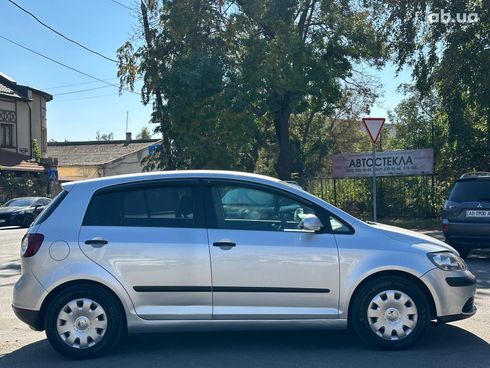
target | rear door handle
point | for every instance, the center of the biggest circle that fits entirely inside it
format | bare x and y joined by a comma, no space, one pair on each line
224,244
96,242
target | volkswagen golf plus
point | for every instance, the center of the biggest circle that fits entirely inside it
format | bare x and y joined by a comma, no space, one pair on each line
208,249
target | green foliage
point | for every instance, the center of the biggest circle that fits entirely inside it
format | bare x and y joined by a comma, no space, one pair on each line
36,150
12,186
452,60
225,77
144,133
104,136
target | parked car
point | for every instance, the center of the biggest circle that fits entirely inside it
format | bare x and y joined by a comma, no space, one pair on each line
136,253
466,214
22,211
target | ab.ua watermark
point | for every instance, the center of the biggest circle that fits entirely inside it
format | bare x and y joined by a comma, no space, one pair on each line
446,17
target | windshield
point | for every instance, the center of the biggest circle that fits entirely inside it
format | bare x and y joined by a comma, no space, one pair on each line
471,191
21,202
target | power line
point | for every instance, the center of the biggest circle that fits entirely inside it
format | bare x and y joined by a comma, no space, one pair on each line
64,65
81,90
61,34
86,98
77,84
121,4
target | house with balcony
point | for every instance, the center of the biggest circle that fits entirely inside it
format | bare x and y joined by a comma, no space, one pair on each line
22,118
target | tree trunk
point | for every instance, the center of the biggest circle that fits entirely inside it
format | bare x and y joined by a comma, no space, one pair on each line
281,123
166,160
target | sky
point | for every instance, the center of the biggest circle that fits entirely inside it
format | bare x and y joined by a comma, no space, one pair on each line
102,25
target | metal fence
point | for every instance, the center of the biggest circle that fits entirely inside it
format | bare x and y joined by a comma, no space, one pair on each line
401,196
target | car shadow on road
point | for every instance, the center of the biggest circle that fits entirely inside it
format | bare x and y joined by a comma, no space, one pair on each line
445,345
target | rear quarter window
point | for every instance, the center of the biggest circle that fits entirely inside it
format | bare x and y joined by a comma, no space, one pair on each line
155,206
44,215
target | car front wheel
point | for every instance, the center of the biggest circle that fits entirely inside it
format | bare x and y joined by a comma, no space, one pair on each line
84,322
390,312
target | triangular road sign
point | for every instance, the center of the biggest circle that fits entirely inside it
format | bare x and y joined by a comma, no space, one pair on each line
373,127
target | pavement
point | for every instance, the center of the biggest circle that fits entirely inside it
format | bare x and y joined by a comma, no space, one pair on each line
460,344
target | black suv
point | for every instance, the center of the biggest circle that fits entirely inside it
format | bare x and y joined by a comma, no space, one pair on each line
466,214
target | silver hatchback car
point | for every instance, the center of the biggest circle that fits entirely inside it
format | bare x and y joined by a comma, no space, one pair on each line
167,251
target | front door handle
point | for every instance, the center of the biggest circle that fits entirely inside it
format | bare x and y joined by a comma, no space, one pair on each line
224,244
96,242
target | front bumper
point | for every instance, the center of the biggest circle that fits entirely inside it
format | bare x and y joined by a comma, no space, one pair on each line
10,220
453,293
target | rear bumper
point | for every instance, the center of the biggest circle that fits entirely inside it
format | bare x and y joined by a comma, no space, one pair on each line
469,241
471,234
30,317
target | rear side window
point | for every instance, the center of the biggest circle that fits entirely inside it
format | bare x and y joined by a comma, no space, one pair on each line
471,191
157,206
51,207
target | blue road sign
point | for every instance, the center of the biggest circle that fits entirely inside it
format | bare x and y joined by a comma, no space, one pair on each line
152,148
52,174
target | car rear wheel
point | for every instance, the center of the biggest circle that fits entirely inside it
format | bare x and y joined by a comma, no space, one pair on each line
84,322
390,312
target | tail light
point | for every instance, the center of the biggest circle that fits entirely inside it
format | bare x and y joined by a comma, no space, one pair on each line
31,244
445,228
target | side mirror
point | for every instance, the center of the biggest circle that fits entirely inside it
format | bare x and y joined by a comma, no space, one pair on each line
312,223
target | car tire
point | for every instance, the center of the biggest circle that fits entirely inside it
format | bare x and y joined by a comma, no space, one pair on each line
27,221
401,318
91,314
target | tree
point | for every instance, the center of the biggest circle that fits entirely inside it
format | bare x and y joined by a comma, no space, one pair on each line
450,57
104,136
222,73
144,133
36,150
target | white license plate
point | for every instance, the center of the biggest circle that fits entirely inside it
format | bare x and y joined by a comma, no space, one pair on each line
477,213
2,221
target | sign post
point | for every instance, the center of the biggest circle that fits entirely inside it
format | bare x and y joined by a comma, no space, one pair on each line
373,127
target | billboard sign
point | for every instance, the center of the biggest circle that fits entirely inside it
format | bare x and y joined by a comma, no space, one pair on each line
387,163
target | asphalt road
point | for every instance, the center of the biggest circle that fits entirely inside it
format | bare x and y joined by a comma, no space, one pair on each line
459,344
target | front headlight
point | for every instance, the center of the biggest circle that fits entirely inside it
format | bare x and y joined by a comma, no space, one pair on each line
447,261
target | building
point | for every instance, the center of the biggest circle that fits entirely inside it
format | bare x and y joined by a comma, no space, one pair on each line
93,159
22,117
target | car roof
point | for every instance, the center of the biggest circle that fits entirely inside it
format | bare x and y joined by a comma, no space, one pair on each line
93,185
482,175
177,174
32,198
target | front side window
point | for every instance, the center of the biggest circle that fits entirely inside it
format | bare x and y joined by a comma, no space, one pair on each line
246,208
158,206
337,226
